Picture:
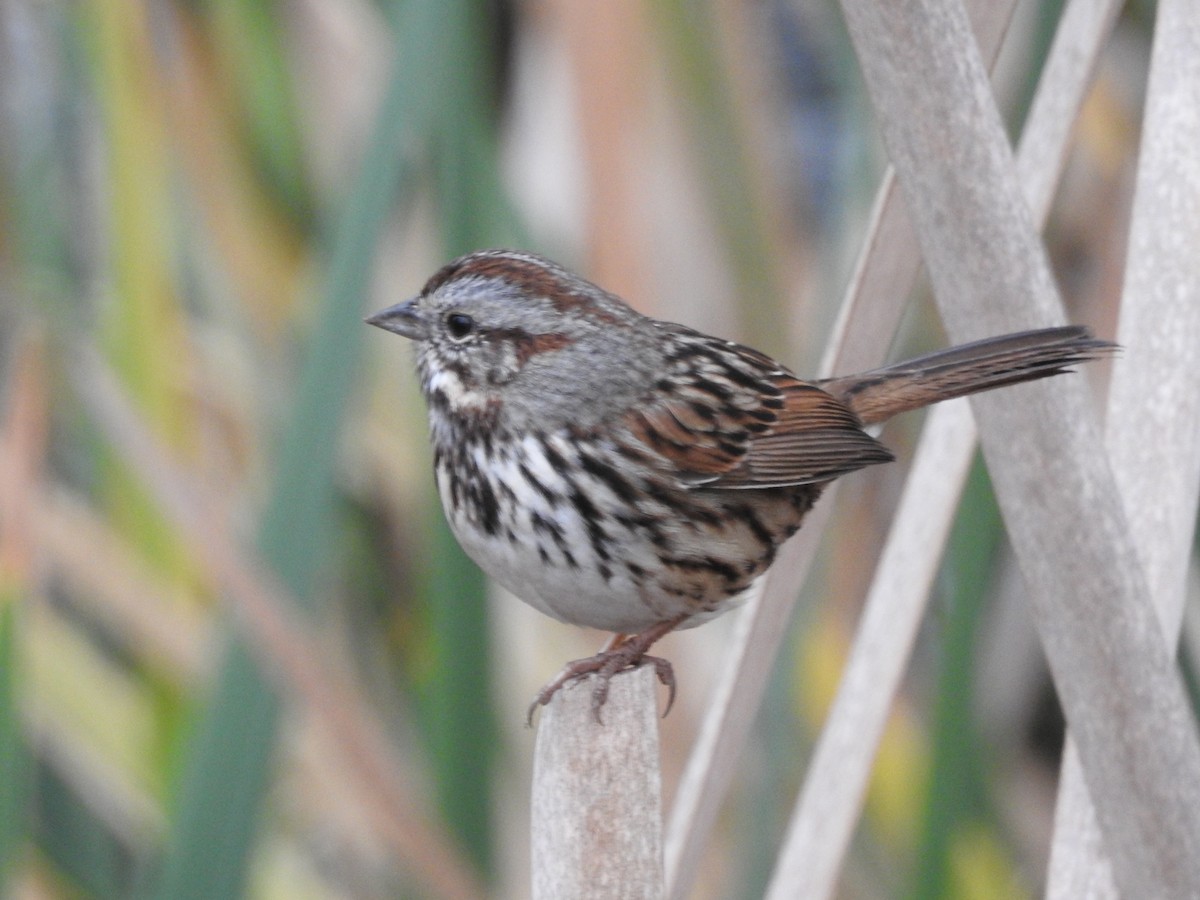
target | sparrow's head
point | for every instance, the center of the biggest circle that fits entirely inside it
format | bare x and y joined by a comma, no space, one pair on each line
500,330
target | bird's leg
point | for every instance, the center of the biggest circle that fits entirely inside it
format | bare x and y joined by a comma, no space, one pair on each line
620,652
616,639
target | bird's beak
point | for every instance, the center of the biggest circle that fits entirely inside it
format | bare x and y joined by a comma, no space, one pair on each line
403,319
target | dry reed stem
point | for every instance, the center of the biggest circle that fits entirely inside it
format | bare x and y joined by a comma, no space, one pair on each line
1154,402
1119,688
597,794
836,782
885,271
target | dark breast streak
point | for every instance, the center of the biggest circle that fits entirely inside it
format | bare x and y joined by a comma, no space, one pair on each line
683,549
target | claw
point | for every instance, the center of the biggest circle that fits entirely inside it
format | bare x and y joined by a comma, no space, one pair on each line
604,666
666,677
619,654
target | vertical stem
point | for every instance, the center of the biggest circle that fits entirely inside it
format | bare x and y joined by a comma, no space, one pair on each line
1088,593
1155,391
597,793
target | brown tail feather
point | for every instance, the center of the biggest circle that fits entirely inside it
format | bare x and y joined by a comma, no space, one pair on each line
968,369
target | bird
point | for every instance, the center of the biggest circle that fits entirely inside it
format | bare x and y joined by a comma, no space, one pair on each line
634,475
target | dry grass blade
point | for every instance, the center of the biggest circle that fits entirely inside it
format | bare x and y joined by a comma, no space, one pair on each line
22,451
712,763
837,777
885,271
1119,688
108,791
116,588
1070,66
266,613
1155,390
890,258
23,433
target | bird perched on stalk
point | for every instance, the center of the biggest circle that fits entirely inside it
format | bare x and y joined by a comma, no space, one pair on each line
633,475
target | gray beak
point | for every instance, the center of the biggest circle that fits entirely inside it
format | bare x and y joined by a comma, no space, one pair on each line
403,319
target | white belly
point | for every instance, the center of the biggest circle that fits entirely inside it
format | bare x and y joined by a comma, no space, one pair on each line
563,541
542,551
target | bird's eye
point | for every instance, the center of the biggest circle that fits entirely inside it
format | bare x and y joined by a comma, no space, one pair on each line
459,325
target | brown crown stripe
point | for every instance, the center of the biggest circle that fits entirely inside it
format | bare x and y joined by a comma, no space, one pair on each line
533,277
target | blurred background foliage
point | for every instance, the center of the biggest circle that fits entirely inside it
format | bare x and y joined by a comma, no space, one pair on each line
201,198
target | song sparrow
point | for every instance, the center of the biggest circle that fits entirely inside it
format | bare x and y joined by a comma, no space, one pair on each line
633,475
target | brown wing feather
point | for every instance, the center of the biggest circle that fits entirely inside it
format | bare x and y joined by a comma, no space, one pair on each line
815,438
734,419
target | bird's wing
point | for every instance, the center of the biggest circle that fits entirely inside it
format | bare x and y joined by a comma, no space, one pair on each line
726,416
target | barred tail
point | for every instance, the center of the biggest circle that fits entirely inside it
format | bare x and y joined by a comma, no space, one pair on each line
967,369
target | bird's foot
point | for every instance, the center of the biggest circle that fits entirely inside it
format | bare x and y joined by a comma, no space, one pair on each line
630,654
